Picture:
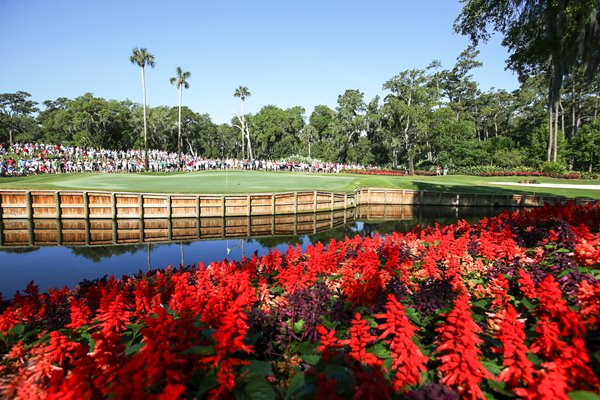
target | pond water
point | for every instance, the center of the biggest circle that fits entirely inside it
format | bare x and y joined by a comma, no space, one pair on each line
61,264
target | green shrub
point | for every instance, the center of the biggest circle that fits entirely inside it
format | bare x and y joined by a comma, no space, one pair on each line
552,167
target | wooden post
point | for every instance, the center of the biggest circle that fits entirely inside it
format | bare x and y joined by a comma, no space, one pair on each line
369,196
295,206
198,207
403,197
457,199
1,210
248,206
223,206
273,205
1,228
273,225
30,233
345,204
115,231
169,207
141,201
88,234
198,224
28,201
169,228
59,235
440,198
421,194
315,201
86,205
295,224
113,205
385,196
142,237
331,201
57,202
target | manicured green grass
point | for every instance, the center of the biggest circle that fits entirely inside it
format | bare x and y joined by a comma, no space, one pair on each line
266,182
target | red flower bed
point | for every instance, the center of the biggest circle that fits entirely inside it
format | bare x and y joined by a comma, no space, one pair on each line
387,172
507,307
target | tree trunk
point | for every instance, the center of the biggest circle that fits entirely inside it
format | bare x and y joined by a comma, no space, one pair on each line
550,133
10,138
411,165
573,111
250,155
555,149
243,130
179,128
145,123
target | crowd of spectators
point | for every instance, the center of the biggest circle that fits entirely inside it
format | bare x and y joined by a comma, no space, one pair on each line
36,158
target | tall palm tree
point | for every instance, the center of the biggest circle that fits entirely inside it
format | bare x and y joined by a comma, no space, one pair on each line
142,58
180,80
242,92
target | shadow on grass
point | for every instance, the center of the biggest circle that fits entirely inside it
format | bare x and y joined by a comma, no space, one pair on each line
475,189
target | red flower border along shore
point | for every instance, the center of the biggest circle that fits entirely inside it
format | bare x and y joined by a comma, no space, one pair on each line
508,307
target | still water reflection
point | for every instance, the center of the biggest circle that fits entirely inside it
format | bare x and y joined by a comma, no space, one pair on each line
59,263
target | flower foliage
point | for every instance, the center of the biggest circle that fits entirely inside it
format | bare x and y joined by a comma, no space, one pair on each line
506,307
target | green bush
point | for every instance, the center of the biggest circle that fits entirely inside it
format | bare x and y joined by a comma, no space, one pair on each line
552,167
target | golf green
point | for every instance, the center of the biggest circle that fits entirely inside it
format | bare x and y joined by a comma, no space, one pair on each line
269,182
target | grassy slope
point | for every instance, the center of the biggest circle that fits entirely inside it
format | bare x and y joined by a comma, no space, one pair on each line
257,182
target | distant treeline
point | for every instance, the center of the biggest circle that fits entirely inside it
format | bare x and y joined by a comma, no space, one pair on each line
430,116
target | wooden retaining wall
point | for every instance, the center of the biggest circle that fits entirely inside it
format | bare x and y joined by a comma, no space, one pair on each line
370,196
101,205
65,205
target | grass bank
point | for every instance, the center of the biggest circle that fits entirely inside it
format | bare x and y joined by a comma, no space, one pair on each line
257,182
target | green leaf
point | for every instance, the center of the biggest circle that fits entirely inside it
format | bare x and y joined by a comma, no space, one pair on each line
414,316
498,387
312,359
528,304
483,303
583,395
300,387
534,358
562,250
134,348
207,383
259,389
201,350
18,329
329,324
491,366
380,351
259,369
298,326
307,348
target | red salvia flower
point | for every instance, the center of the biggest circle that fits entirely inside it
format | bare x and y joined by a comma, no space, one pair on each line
588,298
114,315
518,368
459,353
80,314
550,384
360,338
408,361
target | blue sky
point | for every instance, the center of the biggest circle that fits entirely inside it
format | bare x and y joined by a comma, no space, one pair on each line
288,53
